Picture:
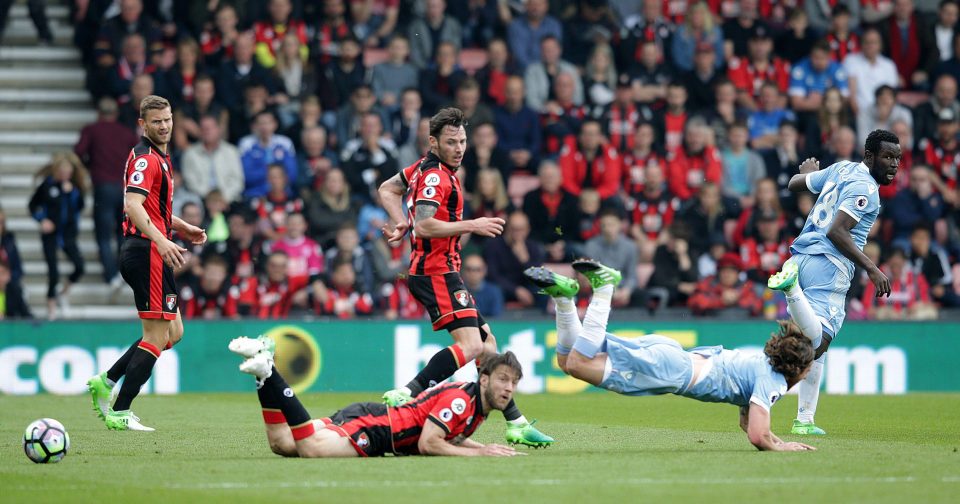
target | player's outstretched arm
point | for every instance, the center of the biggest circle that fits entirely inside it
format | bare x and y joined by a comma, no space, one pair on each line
391,197
759,434
171,253
798,182
839,234
426,226
432,442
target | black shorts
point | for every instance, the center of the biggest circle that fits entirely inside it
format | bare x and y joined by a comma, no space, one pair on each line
446,299
366,425
154,289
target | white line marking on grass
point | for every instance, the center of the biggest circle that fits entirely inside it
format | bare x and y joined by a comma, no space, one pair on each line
241,485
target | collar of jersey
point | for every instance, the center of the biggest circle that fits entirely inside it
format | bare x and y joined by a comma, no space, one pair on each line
149,143
432,159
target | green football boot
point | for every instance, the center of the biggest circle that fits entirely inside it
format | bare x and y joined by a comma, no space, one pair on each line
125,420
552,284
598,274
786,278
527,434
806,429
396,397
100,394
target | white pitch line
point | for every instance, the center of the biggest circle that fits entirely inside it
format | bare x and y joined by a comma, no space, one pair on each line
362,484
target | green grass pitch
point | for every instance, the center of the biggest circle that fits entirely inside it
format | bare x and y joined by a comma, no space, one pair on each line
211,448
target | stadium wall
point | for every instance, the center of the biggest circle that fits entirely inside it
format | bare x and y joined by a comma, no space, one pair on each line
318,356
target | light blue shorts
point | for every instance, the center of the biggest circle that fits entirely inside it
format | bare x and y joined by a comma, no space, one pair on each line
825,282
649,365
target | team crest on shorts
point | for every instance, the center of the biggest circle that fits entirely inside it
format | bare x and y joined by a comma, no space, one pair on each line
462,297
362,440
171,301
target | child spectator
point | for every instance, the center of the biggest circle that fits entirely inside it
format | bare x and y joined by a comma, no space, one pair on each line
909,297
343,300
305,258
213,297
57,205
714,295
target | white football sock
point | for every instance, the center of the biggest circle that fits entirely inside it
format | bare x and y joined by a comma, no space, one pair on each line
521,420
595,322
810,391
568,324
802,313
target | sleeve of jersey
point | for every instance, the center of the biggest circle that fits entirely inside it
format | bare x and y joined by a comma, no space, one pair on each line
432,190
406,174
141,175
450,411
817,179
859,199
766,392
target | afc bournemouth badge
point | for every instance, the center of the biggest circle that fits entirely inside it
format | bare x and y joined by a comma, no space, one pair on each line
171,301
462,297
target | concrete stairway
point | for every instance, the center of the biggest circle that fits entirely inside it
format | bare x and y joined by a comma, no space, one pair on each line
43,106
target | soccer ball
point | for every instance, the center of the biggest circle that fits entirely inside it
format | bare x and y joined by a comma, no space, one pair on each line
46,441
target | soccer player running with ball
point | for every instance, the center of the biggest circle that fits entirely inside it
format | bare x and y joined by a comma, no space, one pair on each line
435,204
147,260
655,365
817,276
438,422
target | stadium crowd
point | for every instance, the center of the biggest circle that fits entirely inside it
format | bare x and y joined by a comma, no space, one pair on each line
656,136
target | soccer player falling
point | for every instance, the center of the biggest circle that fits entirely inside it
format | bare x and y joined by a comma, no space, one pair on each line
654,365
435,205
817,276
147,260
438,422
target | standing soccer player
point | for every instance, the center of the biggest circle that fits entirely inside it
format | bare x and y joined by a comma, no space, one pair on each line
147,259
816,278
435,205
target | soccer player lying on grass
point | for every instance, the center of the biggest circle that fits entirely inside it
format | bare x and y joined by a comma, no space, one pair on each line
439,421
654,365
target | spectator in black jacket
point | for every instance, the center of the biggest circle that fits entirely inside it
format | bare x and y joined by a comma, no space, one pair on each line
9,254
12,304
57,205
239,72
511,253
552,213
932,261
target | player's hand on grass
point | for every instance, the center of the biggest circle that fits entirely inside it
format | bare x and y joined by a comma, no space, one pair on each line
794,446
809,165
488,226
395,235
881,282
171,253
495,450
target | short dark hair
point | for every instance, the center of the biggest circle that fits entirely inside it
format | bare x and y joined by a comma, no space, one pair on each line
450,116
505,359
821,45
216,260
885,88
152,102
789,351
876,138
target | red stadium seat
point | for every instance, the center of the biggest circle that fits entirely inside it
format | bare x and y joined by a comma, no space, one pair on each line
472,60
519,185
373,56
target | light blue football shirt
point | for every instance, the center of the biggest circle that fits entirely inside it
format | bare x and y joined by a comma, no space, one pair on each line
738,378
842,187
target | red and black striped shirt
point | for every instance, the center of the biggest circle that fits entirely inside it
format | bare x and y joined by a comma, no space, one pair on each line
454,407
148,171
429,182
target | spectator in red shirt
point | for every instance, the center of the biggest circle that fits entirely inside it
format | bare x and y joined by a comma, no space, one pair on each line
651,212
493,76
213,297
305,263
842,41
561,118
748,74
343,300
675,118
590,163
763,255
278,203
636,161
332,30
917,57
689,166
269,33
909,297
718,293
268,296
216,41
943,152
622,115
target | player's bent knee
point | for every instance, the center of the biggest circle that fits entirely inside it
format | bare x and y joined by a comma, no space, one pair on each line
284,447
